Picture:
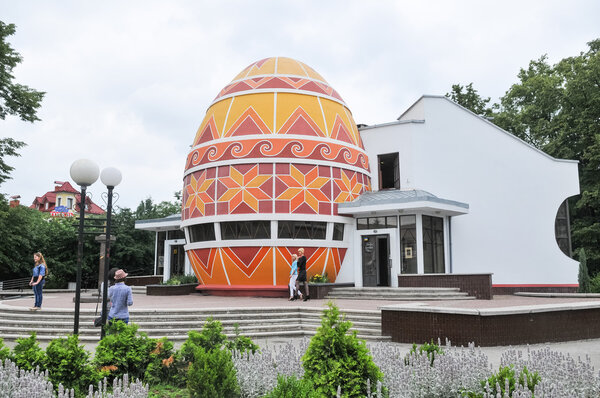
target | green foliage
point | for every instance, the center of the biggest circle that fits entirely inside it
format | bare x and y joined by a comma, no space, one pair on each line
167,391
211,337
430,348
470,99
4,351
212,374
182,279
15,99
165,365
291,387
8,147
27,354
584,276
241,344
124,350
336,358
506,377
68,364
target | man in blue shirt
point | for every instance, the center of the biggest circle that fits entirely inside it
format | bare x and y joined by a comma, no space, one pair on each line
120,298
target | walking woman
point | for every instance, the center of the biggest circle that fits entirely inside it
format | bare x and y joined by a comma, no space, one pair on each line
293,276
302,274
38,279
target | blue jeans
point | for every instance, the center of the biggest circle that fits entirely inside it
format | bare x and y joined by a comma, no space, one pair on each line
37,292
111,320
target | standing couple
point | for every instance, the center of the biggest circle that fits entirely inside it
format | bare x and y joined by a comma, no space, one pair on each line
297,275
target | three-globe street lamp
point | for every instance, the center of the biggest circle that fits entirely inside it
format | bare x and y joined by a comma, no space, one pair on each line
111,177
84,173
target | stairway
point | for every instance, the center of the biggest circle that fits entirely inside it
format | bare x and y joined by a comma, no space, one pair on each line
16,322
398,293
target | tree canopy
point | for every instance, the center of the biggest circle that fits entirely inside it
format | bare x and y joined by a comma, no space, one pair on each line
15,99
556,108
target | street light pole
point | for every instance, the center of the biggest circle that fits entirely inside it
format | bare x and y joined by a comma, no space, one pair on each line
111,177
84,172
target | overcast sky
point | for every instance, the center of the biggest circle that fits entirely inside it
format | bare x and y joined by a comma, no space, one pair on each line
128,82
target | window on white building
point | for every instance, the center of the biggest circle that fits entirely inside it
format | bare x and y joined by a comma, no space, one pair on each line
70,203
433,245
389,171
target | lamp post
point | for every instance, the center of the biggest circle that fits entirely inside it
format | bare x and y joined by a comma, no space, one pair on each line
84,172
111,177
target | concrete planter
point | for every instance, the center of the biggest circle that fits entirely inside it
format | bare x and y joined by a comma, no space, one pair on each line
320,290
171,290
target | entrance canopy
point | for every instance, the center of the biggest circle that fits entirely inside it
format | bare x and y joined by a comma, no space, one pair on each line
395,200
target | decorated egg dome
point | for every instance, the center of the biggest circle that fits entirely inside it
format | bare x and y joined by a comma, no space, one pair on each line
275,153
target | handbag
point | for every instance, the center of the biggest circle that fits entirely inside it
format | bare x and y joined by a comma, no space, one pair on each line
98,321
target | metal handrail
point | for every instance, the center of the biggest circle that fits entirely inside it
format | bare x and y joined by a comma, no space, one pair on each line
15,284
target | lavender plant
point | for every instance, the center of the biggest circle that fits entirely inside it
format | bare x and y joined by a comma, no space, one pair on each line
121,388
17,383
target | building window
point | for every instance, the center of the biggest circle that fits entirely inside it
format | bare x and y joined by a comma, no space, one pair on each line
377,222
562,229
70,203
389,171
338,231
433,245
408,244
301,230
246,230
59,202
202,232
179,234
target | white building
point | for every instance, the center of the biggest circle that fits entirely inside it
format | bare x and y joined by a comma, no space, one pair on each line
453,193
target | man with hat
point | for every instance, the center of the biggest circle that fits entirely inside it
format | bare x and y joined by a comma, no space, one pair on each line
120,297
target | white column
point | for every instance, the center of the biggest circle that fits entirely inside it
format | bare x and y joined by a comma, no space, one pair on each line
420,258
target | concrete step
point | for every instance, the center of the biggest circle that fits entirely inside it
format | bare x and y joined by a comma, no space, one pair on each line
392,293
175,324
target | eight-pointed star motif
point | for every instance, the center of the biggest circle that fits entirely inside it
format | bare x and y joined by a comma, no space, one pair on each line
350,188
304,188
197,197
244,188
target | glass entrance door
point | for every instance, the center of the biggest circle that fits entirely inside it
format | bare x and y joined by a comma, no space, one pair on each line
375,260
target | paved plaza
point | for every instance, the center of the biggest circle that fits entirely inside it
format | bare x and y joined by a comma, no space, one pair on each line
581,348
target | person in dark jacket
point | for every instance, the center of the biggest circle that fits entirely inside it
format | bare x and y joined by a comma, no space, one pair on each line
302,274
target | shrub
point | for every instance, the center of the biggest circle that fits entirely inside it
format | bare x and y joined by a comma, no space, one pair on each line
27,354
124,351
210,337
583,277
212,374
292,387
241,344
181,279
504,382
431,349
4,351
68,364
335,358
165,365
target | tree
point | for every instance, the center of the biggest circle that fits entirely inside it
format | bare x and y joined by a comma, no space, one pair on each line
470,99
15,99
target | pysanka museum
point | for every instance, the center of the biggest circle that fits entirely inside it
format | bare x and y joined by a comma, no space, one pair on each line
278,163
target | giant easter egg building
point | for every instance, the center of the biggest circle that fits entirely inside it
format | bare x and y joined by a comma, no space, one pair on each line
276,153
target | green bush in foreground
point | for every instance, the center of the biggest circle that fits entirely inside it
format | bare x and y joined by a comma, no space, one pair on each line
4,351
336,358
212,374
27,354
292,387
505,381
68,364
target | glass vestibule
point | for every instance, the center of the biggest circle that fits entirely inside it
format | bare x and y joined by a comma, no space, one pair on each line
430,238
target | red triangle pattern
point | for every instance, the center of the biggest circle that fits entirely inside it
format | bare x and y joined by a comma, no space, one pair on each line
210,132
339,131
248,123
301,123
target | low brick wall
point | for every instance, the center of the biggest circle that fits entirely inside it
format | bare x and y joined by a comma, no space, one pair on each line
171,290
512,289
492,327
144,280
477,285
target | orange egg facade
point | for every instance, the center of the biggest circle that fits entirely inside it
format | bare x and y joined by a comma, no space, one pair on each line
276,152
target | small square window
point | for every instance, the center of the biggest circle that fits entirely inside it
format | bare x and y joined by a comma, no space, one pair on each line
338,231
